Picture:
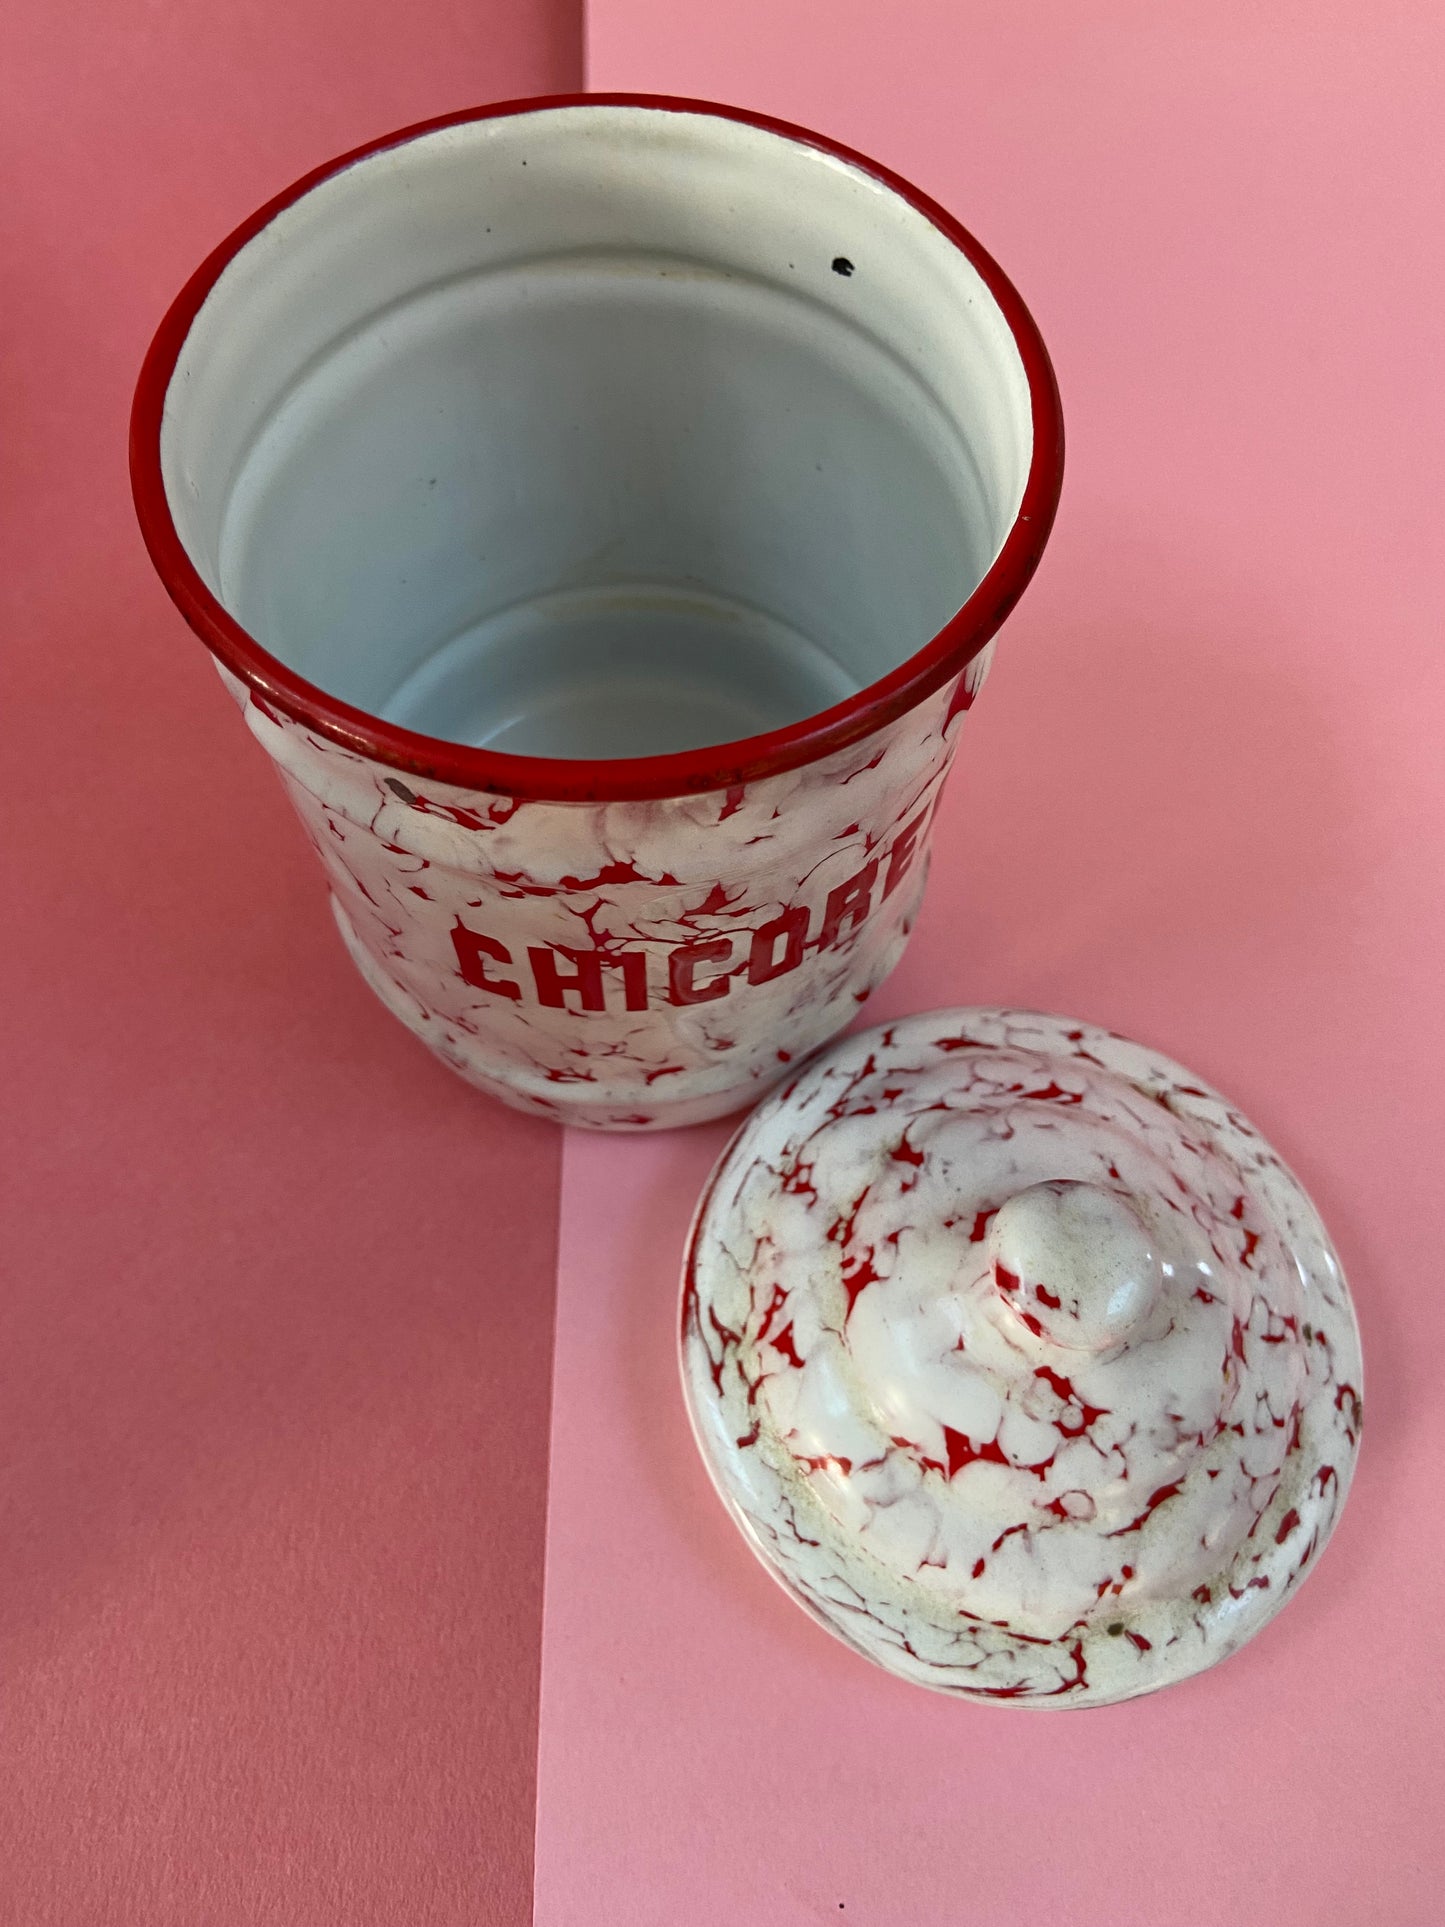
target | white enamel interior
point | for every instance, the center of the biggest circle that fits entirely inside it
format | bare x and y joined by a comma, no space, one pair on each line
561,433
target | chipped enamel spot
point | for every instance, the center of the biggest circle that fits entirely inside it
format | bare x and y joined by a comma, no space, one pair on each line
1021,1360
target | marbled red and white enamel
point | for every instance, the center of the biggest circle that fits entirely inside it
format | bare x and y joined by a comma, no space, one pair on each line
633,964
643,940
1020,1358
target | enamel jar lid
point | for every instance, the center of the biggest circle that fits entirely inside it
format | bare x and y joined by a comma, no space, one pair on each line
1020,1358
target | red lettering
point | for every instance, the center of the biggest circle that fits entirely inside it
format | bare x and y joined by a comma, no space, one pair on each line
848,904
633,965
763,963
682,966
586,977
905,846
552,986
472,950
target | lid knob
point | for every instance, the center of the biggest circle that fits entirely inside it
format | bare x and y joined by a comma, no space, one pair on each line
1074,1264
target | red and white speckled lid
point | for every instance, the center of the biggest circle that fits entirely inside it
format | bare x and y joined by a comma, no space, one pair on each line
1020,1358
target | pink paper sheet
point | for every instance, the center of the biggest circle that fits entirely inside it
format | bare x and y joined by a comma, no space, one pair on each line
1201,800
275,1290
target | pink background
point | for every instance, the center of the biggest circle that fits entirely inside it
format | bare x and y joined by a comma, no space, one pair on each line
1200,800
276,1334
276,1314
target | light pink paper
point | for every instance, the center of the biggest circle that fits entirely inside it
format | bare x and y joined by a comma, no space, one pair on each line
1201,800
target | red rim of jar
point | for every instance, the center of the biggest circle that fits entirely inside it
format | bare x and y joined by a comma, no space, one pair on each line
717,766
